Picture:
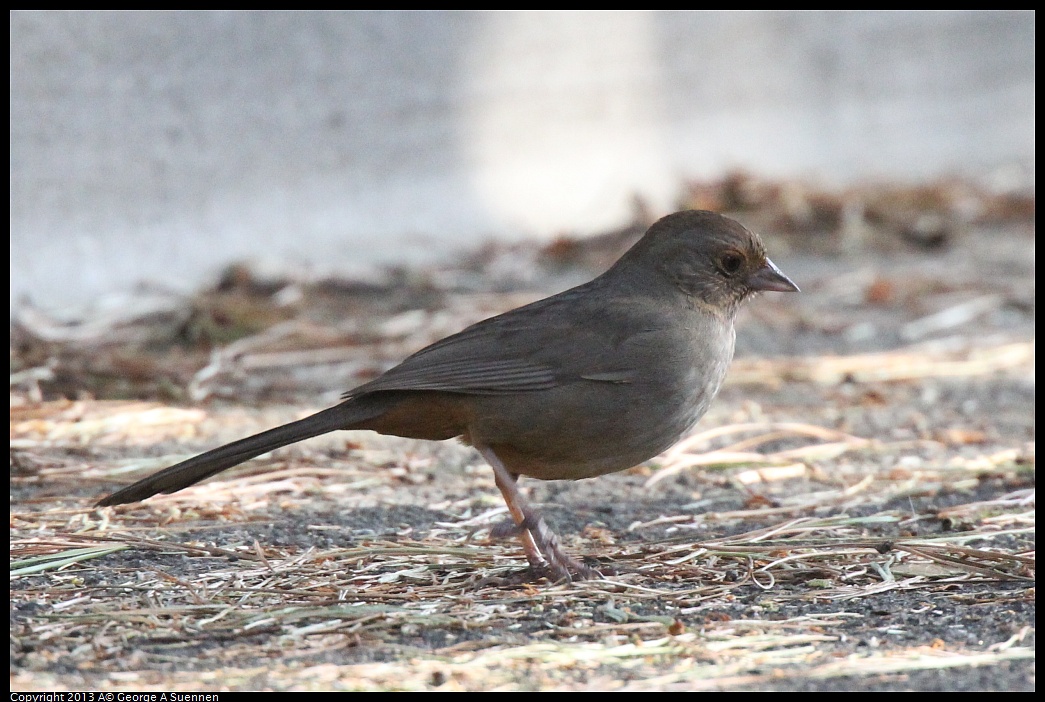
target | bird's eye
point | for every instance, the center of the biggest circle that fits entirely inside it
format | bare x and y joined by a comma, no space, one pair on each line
731,263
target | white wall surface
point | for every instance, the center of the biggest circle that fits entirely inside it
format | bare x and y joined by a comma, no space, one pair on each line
158,146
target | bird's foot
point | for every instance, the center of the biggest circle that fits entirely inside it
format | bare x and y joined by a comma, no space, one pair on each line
545,554
562,565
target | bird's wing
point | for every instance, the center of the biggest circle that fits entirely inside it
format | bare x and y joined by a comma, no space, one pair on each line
529,349
464,375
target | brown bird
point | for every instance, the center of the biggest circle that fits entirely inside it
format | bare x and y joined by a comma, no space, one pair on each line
593,380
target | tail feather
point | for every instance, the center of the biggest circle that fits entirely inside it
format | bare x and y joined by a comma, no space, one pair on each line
192,471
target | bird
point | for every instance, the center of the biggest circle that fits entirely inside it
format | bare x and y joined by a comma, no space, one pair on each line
593,380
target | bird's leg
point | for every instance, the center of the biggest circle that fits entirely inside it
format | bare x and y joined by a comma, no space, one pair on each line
515,528
538,540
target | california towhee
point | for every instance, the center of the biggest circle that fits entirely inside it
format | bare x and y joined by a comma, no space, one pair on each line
590,381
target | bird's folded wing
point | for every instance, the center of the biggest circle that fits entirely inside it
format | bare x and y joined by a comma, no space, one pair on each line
536,347
465,375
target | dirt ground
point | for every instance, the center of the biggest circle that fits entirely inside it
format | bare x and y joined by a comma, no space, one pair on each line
856,511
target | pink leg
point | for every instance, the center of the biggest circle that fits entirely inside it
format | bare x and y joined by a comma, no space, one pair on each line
538,540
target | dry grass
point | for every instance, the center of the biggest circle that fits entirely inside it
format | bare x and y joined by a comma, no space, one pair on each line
118,600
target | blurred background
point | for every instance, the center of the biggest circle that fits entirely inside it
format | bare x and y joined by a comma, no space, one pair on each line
158,147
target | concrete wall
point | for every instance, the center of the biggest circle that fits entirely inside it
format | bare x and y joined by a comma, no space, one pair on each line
157,146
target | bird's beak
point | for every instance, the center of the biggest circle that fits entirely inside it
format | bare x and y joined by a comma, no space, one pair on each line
769,278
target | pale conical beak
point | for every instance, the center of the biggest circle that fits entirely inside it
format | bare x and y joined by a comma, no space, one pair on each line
769,278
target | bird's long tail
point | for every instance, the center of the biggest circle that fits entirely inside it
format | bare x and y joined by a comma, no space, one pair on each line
213,462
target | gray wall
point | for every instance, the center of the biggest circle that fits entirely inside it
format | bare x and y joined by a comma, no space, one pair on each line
157,146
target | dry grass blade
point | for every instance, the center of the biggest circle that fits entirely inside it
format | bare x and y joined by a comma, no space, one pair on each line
893,366
57,561
831,444
987,564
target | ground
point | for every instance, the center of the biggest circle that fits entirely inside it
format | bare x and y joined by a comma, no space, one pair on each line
856,511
